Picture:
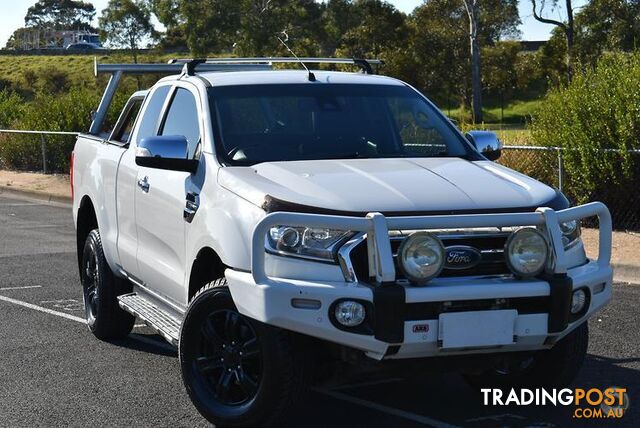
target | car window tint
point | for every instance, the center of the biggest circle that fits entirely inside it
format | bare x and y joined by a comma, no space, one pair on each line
182,119
124,132
262,123
418,130
245,115
149,120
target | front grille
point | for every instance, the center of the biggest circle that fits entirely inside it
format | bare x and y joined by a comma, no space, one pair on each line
490,246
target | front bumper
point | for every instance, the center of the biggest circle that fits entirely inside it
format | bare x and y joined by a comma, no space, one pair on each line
404,321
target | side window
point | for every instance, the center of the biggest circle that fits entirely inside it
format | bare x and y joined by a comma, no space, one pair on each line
123,133
149,120
182,119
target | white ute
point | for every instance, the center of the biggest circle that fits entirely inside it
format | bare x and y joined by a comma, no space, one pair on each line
274,224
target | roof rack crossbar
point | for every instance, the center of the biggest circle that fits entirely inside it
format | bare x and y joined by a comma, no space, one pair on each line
363,64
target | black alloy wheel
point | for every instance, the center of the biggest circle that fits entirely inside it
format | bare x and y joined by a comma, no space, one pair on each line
90,280
227,357
237,371
100,291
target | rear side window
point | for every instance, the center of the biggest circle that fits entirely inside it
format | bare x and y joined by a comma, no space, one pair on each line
123,132
182,119
149,121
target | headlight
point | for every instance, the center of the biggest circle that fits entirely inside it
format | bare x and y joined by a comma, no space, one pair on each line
421,257
311,243
570,232
526,252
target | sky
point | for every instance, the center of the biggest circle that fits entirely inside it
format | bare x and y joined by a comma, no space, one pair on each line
12,17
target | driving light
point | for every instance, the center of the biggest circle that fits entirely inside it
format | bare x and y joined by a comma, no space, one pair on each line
304,242
350,313
578,300
421,257
527,252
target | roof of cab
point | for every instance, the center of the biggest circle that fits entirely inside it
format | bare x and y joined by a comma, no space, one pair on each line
294,76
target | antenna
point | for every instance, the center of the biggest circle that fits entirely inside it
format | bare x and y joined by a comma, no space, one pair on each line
311,76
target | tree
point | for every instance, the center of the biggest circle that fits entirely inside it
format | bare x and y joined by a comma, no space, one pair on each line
338,17
15,41
60,15
473,13
246,27
440,44
379,26
567,27
606,25
208,26
169,15
438,41
505,69
126,24
262,20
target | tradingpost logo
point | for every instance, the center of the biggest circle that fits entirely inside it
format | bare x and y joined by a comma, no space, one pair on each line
592,403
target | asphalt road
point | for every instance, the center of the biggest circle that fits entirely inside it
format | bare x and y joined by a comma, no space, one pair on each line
53,372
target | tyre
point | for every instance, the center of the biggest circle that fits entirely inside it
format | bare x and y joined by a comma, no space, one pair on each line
553,368
101,289
237,371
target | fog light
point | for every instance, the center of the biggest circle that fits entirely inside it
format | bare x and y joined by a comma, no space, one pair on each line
577,301
350,313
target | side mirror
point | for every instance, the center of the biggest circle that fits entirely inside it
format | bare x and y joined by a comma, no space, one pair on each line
486,142
165,152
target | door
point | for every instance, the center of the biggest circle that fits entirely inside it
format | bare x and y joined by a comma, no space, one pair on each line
126,189
160,201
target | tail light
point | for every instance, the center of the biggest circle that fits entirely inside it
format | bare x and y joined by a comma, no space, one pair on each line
73,155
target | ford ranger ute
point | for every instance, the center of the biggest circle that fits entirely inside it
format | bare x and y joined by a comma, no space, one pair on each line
271,223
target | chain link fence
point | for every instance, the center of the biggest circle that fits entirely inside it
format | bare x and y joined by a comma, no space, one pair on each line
43,151
547,164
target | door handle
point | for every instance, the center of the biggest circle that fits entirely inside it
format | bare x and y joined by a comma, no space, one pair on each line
143,183
191,207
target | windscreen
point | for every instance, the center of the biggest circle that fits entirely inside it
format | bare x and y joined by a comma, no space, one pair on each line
277,122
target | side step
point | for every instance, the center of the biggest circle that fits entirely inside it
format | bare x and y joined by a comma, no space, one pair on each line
166,325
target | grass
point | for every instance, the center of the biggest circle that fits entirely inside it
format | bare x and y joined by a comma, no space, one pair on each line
79,68
515,113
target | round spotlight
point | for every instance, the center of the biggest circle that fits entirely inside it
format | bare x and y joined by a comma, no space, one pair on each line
578,301
527,252
350,313
421,257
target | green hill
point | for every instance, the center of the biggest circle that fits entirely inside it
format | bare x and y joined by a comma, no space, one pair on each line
27,74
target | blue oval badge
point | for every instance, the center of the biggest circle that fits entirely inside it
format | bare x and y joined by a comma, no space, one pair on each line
461,257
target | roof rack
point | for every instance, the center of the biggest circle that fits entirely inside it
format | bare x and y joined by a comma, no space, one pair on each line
364,64
190,66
